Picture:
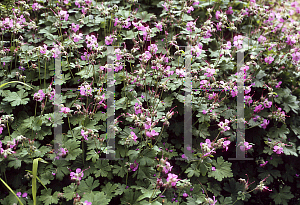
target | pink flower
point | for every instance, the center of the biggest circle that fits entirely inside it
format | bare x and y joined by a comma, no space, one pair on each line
75,27
246,146
226,144
158,26
39,96
116,22
190,9
153,48
19,194
152,133
185,195
229,11
76,176
63,14
133,136
278,85
76,38
238,41
213,168
190,26
1,129
262,165
204,112
84,135
180,72
134,166
269,59
167,168
258,108
217,14
87,203
109,40
296,56
277,149
65,110
172,178
265,123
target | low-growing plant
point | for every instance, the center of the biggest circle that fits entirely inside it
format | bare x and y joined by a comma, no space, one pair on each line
101,93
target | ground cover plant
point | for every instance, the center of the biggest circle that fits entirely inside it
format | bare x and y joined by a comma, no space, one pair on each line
148,43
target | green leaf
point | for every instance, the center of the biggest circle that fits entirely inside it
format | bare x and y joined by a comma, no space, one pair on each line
98,198
276,132
147,193
102,168
225,201
47,198
193,171
120,170
290,102
69,191
222,171
283,196
18,98
62,169
16,163
88,185
108,189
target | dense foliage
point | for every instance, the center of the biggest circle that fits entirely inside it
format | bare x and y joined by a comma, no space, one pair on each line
150,42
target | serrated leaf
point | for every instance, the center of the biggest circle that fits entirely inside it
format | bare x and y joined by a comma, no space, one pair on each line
222,171
103,168
88,185
192,171
283,196
109,189
17,98
69,191
47,198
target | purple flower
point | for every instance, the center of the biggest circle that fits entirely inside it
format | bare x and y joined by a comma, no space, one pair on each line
269,59
1,129
133,136
172,178
225,144
151,134
39,96
158,26
109,40
87,203
278,85
229,11
213,168
134,166
167,168
277,149
75,27
185,195
84,134
190,9
262,165
204,112
265,123
296,56
64,15
258,108
246,146
24,195
65,110
153,48
217,14
76,176
190,26
19,194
